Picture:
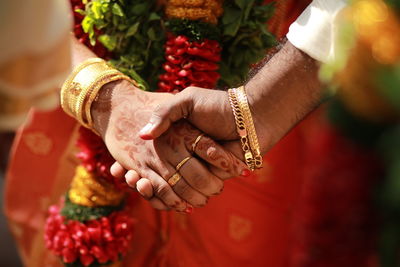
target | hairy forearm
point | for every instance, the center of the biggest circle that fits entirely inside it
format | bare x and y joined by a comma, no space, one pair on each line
282,93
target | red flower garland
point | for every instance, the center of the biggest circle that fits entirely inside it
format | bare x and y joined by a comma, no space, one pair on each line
83,37
96,158
189,64
101,240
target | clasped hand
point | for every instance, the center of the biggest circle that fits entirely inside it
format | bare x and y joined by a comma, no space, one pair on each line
147,160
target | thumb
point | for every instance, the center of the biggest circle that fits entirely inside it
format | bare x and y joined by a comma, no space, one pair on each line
165,114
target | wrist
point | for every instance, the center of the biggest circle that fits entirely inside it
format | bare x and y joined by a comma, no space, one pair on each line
107,100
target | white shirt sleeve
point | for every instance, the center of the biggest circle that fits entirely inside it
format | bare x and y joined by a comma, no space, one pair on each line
315,30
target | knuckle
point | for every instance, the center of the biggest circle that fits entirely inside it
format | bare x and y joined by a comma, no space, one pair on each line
201,182
130,182
190,195
161,111
162,191
218,188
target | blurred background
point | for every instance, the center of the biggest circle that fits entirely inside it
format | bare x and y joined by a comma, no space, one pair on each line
8,251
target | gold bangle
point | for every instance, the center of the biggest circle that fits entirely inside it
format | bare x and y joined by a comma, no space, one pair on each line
241,128
83,85
70,89
254,144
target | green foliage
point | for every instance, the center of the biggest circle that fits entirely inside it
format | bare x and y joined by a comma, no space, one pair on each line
389,198
388,81
72,211
245,38
394,3
194,30
133,30
357,129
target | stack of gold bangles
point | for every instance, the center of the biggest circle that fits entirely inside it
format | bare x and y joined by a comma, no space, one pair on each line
82,87
245,127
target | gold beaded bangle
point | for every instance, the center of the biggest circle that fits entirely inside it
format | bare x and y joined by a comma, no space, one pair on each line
241,128
71,90
82,87
254,144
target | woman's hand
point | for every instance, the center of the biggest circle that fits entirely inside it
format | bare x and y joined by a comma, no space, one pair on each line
122,110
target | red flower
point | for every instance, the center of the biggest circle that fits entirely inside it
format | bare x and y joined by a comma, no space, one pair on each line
189,64
96,158
83,37
99,240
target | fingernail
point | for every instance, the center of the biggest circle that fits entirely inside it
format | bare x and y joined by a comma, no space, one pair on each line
246,173
146,136
146,129
144,133
189,209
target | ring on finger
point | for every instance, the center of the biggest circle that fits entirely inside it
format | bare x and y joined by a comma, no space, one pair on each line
195,143
174,179
180,164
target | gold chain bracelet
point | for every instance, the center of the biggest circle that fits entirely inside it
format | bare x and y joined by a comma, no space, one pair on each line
254,144
241,129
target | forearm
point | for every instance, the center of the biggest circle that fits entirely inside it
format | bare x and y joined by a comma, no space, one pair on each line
282,93
110,95
80,52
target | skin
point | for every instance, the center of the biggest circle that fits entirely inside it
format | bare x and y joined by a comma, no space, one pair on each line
121,110
280,95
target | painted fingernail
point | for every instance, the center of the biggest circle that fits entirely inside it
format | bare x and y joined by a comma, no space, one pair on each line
146,136
246,173
146,129
189,209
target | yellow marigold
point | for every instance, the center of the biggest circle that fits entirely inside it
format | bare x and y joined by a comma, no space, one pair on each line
186,3
88,191
204,10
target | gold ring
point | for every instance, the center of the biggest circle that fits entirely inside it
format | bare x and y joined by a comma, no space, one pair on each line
174,179
196,142
179,166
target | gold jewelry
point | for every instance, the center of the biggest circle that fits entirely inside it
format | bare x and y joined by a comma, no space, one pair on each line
241,128
251,130
174,179
82,86
180,164
196,142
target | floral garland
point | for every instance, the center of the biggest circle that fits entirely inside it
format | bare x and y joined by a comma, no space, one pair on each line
204,39
367,108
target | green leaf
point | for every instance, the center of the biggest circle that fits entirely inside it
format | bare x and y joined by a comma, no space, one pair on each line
231,15
80,11
132,29
117,10
97,10
153,16
151,34
241,3
87,24
140,9
110,42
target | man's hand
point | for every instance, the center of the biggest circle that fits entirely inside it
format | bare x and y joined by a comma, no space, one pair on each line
280,95
209,110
